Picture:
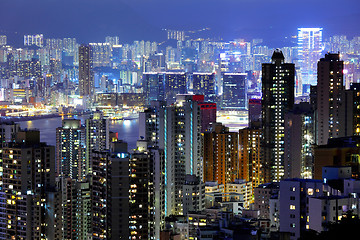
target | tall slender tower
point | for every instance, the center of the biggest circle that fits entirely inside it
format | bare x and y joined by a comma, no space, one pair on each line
329,89
70,150
86,76
309,51
277,98
176,129
97,137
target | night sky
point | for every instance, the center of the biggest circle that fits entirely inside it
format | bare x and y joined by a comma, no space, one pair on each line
92,20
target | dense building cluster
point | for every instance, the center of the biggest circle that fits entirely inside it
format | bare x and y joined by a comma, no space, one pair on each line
293,170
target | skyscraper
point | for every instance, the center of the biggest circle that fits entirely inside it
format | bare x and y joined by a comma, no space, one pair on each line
97,136
234,91
176,129
71,169
70,149
28,181
309,50
86,75
250,155
299,139
221,155
175,83
3,40
329,99
278,79
153,86
100,54
37,40
204,84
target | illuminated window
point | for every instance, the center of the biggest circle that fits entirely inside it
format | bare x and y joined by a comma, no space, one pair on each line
310,191
292,207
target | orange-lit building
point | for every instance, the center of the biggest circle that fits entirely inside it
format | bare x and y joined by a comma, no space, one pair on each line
221,155
250,155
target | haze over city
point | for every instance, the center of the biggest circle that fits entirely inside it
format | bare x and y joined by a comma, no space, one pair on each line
90,20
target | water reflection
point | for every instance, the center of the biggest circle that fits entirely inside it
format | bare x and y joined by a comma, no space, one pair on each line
128,130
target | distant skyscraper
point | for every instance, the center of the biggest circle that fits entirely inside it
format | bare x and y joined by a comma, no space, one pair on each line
175,83
329,90
86,75
278,79
177,35
204,84
309,51
112,40
234,91
100,54
153,86
254,114
37,40
164,85
3,40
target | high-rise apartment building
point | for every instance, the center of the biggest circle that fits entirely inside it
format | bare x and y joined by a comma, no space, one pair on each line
70,150
112,40
28,188
8,133
176,34
175,129
37,40
250,155
97,136
118,185
208,113
3,40
101,54
221,155
299,141
350,110
277,98
329,98
194,194
100,194
86,75
309,51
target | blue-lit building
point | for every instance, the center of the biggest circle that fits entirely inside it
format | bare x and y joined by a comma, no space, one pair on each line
153,86
234,91
204,84
309,53
176,129
164,86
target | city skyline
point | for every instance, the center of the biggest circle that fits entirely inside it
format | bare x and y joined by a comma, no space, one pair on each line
166,120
